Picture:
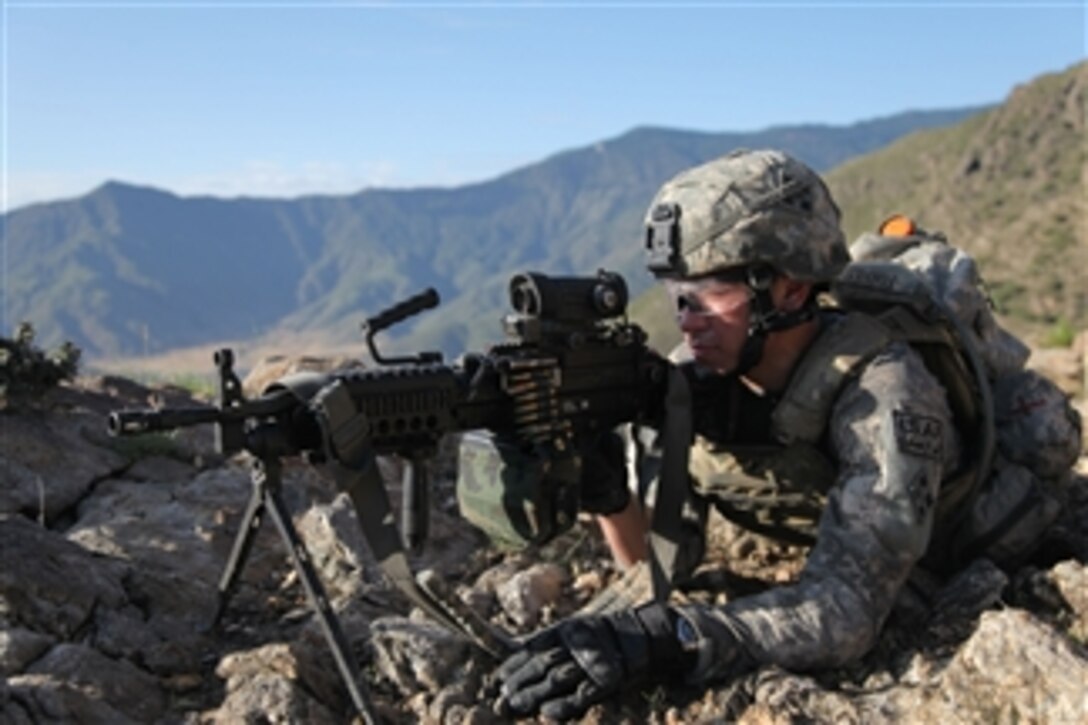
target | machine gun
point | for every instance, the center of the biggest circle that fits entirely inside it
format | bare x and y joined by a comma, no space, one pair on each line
573,368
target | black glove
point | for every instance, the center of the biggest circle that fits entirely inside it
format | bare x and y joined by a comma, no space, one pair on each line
604,476
565,669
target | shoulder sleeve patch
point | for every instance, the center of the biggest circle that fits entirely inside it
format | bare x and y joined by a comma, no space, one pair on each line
918,435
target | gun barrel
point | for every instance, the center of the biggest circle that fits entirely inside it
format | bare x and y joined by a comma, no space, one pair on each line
132,422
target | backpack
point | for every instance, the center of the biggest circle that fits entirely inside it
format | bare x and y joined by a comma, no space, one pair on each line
1021,435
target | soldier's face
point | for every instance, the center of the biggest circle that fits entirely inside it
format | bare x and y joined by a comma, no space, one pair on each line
713,316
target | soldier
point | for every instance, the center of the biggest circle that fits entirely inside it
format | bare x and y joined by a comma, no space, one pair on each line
854,461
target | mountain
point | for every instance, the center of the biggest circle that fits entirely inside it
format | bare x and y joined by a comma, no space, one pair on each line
128,270
1006,185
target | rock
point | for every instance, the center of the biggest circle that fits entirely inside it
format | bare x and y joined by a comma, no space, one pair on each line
265,685
19,647
417,656
524,595
45,699
118,683
50,585
490,579
266,698
587,585
479,601
1071,580
780,696
1014,668
122,633
336,546
342,556
450,704
176,539
49,464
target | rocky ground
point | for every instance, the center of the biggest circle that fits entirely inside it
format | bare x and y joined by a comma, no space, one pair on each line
112,550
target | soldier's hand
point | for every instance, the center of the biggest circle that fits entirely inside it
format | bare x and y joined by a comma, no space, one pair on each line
565,669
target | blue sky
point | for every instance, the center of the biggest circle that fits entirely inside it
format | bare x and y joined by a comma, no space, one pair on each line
287,98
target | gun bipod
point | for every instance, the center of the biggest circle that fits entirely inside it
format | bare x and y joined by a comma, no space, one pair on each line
266,476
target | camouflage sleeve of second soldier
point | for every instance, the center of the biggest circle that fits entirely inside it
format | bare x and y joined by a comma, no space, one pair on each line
892,431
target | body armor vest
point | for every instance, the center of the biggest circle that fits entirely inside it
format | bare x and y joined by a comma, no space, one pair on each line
778,486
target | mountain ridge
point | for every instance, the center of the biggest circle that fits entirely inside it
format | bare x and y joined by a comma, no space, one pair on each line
133,270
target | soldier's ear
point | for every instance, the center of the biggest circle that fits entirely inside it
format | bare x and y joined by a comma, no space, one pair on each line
792,294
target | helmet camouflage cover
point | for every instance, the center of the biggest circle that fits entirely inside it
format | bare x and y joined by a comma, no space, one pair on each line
749,207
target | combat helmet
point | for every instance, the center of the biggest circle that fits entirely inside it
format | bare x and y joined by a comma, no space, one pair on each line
749,215
748,208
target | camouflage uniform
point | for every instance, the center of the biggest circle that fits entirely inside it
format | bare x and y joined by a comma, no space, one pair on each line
890,440
865,489
866,486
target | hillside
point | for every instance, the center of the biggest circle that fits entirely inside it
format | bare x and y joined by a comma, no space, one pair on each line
1007,185
131,271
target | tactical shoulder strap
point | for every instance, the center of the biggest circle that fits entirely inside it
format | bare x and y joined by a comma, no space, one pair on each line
972,412
835,357
841,353
912,312
672,485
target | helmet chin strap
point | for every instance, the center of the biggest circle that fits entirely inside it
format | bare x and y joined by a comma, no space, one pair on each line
763,318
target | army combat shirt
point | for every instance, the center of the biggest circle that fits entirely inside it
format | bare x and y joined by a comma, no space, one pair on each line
891,440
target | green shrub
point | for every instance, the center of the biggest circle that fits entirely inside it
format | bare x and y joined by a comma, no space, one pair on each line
1061,334
204,387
